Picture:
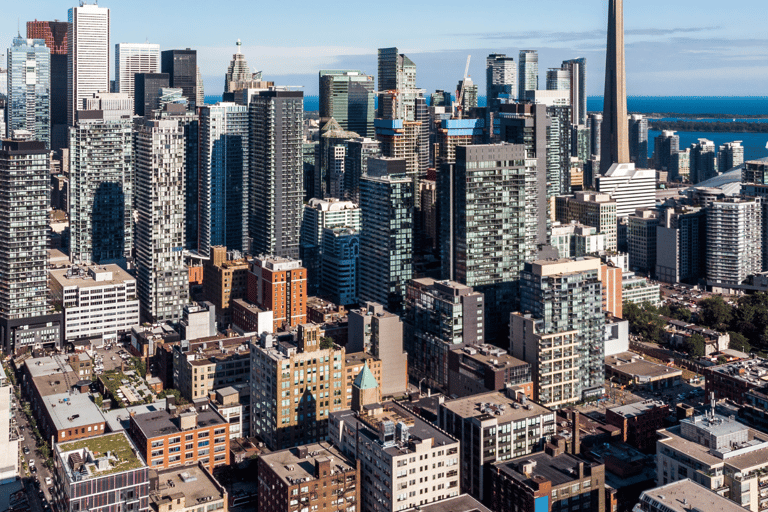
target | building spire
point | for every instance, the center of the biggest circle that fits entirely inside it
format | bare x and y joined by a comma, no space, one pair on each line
239,44
614,142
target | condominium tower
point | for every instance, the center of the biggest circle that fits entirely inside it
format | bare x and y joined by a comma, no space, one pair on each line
734,240
500,80
132,59
528,72
578,88
55,35
29,88
348,97
88,57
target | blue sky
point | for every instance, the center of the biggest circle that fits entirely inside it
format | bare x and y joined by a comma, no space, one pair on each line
674,47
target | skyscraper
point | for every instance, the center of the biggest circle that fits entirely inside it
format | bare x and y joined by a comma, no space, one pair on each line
358,151
163,283
276,180
181,66
223,177
500,80
238,70
470,94
396,72
24,187
55,35
559,79
614,145
347,96
131,59
703,161
101,180
638,140
734,240
578,69
729,155
146,96
528,72
87,57
386,241
29,94
665,147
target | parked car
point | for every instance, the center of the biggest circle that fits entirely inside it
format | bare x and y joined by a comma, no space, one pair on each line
48,481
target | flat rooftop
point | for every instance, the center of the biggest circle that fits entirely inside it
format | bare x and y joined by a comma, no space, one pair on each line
752,371
291,468
66,278
116,451
633,364
196,485
72,410
558,469
120,419
496,357
637,408
495,405
42,366
161,423
686,495
463,503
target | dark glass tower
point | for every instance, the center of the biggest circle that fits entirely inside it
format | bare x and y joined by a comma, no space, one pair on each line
147,91
181,66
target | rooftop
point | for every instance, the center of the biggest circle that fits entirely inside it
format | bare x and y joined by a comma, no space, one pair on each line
72,410
637,408
120,419
162,423
495,405
294,465
463,503
100,456
684,496
42,366
633,364
753,371
490,355
90,276
193,483
206,351
558,469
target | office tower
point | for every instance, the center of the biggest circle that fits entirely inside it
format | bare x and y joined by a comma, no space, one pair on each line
614,138
590,209
529,125
440,316
578,88
348,97
562,305
181,66
146,92
729,155
386,242
29,88
377,332
527,72
282,425
238,70
559,79
101,180
279,285
396,73
485,238
500,80
638,140
440,98
55,35
163,283
24,185
223,177
641,239
199,88
341,250
734,240
631,188
470,94
665,147
318,215
703,161
329,162
681,245
277,123
356,164
87,57
132,59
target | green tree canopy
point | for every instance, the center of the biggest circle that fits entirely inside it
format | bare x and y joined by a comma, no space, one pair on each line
696,346
739,342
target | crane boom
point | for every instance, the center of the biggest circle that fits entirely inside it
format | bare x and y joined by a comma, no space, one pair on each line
460,106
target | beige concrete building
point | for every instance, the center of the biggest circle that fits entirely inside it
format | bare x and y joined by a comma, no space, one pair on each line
184,489
210,364
628,368
591,209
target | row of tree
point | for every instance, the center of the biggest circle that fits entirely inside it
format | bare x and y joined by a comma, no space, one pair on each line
704,126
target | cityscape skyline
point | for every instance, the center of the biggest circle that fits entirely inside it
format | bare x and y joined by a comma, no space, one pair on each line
708,50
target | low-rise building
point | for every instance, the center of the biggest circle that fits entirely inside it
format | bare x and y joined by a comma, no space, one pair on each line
638,290
98,301
483,368
677,333
9,441
629,368
250,318
320,311
69,416
639,422
279,285
186,489
315,476
171,438
684,496
198,321
462,503
494,427
100,474
207,365
227,402
733,381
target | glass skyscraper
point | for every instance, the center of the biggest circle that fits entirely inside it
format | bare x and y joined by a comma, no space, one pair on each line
500,80
528,72
347,96
29,88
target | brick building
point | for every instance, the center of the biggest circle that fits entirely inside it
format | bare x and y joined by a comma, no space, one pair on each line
279,285
735,380
225,278
639,422
69,416
483,368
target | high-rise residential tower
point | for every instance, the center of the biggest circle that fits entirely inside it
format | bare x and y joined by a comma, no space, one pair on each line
559,79
131,59
528,72
55,35
238,70
29,88
348,97
163,282
703,161
396,73
730,155
500,80
223,177
101,180
734,240
638,140
181,66
578,69
276,167
615,137
665,147
88,57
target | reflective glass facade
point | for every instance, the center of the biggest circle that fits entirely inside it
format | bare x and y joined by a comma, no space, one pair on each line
29,88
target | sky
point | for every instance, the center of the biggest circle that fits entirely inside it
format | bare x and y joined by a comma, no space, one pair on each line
673,47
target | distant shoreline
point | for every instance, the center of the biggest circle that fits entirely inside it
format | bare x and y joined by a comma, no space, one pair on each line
705,126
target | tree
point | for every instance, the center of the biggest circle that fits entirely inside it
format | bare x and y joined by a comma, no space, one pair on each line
721,360
326,343
739,342
681,313
696,346
715,313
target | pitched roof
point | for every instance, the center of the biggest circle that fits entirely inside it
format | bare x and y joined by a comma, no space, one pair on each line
365,379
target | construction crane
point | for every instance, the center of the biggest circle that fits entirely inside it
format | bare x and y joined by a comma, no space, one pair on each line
395,93
460,93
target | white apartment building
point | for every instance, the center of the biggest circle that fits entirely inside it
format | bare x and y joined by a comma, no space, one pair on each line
631,188
98,301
